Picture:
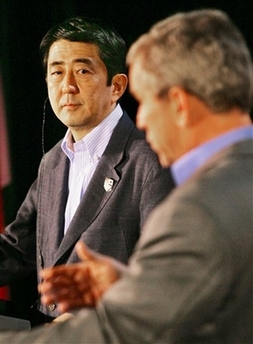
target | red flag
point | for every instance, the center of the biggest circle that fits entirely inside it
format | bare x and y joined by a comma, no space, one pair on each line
5,176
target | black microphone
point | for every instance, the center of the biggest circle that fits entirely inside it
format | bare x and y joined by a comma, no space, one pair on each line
43,126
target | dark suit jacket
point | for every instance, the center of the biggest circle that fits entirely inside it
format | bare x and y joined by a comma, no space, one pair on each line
190,280
109,222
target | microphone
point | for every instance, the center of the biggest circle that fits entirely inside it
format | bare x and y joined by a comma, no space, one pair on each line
43,126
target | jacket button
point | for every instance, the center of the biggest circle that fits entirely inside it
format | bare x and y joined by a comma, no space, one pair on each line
51,307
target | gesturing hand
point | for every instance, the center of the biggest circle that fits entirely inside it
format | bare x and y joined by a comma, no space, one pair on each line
81,284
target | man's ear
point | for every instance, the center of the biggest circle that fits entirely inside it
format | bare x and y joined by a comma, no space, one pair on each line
119,83
180,99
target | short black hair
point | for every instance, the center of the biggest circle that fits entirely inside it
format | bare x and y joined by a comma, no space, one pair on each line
112,48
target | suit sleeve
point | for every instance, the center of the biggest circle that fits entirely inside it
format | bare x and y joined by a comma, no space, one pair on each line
18,243
177,279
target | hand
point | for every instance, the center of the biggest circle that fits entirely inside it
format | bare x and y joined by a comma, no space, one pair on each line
81,284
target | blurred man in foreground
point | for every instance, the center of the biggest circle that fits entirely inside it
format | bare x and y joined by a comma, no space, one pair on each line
190,279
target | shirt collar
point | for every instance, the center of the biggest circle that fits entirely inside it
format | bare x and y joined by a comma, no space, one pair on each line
96,140
184,167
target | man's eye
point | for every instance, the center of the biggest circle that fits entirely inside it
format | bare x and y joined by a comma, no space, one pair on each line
57,72
82,71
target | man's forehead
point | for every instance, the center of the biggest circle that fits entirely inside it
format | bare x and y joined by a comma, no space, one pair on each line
79,49
134,74
139,77
63,51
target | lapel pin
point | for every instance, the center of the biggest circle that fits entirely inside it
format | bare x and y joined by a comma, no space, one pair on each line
108,184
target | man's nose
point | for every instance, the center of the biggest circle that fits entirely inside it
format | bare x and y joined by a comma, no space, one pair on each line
69,88
140,120
69,85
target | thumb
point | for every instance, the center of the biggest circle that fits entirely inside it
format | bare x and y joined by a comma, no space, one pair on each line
85,253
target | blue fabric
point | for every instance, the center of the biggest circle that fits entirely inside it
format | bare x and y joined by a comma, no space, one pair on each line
185,166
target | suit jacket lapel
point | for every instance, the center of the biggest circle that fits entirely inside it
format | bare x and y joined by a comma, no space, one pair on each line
59,189
96,197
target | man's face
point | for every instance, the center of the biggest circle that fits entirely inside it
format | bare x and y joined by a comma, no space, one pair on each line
154,115
76,80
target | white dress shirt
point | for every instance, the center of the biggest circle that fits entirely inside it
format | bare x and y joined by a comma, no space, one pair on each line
84,156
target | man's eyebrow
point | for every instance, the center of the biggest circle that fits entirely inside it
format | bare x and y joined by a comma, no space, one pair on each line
84,60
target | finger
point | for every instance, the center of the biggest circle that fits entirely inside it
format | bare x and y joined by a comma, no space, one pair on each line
48,288
57,283
50,273
53,272
85,301
64,286
65,294
66,306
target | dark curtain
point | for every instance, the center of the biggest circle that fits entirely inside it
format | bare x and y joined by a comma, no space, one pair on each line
22,25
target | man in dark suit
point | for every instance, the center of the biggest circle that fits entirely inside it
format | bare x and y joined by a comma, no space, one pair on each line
102,180
190,278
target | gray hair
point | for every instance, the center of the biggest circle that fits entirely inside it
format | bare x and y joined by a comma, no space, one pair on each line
201,51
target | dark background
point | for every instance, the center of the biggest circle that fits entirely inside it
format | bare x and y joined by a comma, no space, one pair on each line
24,23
